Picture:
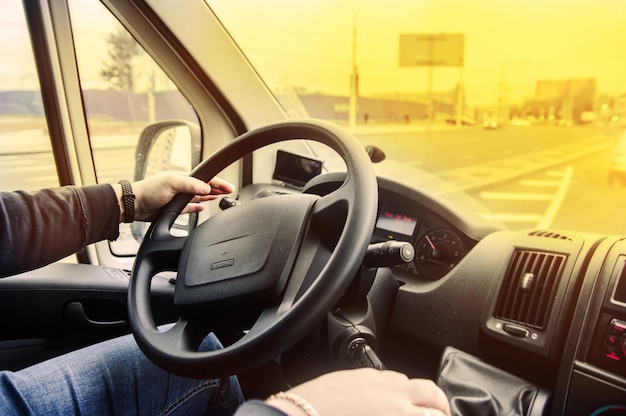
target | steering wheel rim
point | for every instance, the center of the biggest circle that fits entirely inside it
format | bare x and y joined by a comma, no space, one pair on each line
298,306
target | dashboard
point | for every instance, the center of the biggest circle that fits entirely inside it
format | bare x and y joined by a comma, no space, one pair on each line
547,306
439,246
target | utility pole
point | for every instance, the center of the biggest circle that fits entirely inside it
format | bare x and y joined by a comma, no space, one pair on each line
354,80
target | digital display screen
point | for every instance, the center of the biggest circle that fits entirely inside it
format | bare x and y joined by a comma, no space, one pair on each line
393,219
294,169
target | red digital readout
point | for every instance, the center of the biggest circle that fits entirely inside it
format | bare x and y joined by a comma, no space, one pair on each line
396,222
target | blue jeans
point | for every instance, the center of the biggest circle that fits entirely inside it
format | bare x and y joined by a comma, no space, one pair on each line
114,378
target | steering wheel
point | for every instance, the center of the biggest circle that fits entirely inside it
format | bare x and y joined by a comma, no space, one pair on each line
276,265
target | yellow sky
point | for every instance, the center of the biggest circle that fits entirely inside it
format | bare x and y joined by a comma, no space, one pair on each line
509,43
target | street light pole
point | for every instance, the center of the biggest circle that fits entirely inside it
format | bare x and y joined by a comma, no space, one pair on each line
354,80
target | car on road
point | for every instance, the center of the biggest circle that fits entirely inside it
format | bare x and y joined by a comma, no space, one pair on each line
463,121
491,124
520,122
375,230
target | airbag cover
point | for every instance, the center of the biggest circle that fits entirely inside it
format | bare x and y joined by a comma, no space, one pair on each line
244,253
227,259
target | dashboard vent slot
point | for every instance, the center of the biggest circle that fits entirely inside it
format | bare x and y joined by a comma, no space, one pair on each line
529,286
549,234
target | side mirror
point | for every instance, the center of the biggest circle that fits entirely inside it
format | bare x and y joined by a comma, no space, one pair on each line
165,146
171,145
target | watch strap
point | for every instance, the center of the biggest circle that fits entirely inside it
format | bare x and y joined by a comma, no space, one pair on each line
128,199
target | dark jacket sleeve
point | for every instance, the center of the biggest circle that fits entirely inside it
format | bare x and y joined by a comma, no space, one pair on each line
258,408
41,227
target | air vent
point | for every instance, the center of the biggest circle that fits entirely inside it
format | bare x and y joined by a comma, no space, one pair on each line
549,234
528,288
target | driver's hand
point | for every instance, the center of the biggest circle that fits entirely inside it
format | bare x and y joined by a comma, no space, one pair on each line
367,392
154,192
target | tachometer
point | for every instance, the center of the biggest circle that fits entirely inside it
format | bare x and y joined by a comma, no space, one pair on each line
437,252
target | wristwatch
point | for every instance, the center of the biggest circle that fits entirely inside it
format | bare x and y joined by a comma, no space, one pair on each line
128,199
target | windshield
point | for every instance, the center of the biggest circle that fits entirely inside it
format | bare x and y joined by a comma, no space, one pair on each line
520,104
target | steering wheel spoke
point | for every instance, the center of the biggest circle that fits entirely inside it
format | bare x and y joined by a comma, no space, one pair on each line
172,244
160,255
183,336
329,215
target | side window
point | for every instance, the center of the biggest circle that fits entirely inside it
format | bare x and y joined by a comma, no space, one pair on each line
127,97
26,160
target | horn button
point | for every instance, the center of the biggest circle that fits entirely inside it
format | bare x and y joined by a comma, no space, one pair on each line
242,255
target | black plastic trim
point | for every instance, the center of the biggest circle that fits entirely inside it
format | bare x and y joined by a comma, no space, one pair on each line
34,17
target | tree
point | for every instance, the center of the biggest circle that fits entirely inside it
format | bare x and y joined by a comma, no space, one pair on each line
118,69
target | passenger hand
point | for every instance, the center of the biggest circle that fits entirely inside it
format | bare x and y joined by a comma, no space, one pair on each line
156,191
367,392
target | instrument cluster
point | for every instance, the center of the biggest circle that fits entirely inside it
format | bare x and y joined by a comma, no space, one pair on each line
438,245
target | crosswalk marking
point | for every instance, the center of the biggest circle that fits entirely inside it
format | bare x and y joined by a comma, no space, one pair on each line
553,199
510,196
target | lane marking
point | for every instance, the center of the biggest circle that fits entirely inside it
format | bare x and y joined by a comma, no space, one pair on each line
556,203
514,217
539,183
555,199
515,196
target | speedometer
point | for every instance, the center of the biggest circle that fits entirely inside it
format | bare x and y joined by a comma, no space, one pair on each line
437,252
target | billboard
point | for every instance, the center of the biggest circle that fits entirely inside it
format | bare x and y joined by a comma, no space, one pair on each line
423,49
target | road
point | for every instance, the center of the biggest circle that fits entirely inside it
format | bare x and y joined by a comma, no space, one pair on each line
26,160
529,177
563,181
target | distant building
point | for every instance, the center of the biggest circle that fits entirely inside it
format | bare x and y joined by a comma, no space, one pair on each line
565,99
385,109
